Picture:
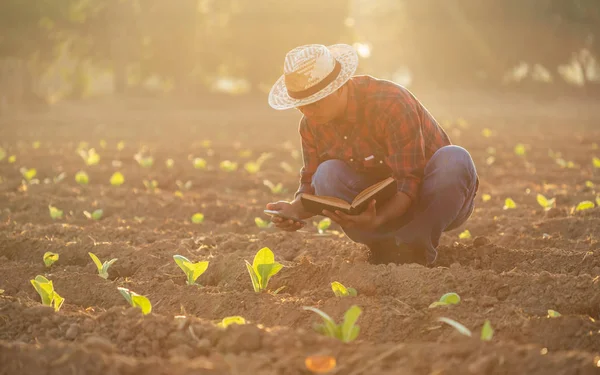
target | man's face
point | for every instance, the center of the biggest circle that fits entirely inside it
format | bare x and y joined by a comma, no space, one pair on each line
324,110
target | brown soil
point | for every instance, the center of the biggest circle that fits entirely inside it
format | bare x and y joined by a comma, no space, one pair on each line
518,264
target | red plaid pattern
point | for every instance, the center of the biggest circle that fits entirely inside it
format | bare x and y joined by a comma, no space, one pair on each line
385,132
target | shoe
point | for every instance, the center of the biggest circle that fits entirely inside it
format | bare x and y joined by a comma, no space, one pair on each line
387,251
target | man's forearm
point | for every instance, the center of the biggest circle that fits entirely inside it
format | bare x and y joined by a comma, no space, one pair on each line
395,207
299,209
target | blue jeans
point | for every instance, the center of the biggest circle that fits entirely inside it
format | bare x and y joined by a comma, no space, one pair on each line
446,199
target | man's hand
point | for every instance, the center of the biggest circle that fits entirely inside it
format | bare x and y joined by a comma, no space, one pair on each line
288,209
367,220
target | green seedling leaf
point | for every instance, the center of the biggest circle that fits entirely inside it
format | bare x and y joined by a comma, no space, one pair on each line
341,291
197,218
350,330
183,186
199,163
102,267
28,174
252,167
170,163
456,325
117,179
96,215
82,178
228,166
144,161
36,144
253,277
191,270
520,149
323,225
509,204
275,189
553,314
262,223
46,291
447,299
226,322
465,235
12,159
585,205
486,132
151,185
589,184
545,202
57,301
55,213
136,300
486,197
329,327
59,178
263,268
120,146
50,258
90,157
266,271
596,162
487,332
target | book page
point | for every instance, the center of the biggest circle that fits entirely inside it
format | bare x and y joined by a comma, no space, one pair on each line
369,191
328,200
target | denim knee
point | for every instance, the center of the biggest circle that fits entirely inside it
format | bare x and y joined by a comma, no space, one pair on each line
328,177
453,160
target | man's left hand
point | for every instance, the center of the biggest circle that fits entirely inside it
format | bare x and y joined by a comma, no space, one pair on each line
367,220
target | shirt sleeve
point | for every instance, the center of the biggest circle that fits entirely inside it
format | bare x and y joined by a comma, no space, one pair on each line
405,145
310,158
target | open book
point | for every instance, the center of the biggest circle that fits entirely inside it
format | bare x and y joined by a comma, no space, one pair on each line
380,191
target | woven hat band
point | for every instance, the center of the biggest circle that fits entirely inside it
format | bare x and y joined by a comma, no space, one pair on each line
319,86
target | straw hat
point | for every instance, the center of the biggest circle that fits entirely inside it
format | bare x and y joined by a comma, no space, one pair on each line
311,72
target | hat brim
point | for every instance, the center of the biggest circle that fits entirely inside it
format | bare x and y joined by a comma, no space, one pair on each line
347,57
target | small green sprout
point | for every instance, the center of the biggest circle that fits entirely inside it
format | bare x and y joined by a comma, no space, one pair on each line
486,197
589,184
252,167
199,163
459,327
262,223
345,332
553,314
36,144
144,161
487,332
545,202
464,235
263,267
286,167
228,166
596,162
12,159
584,205
102,267
2,154
197,218
341,291
446,299
191,270
82,178
151,185
136,300
520,149
28,174
96,215
323,225
55,213
117,179
275,189
509,204
46,291
184,186
226,322
486,132
50,258
170,163
120,146
90,157
59,178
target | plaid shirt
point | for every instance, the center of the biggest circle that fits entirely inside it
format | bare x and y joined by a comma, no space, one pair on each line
385,132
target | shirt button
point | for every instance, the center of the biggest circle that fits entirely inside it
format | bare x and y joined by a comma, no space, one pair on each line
380,161
345,137
351,159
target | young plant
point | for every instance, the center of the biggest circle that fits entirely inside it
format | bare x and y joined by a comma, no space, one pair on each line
253,167
136,300
184,186
117,179
46,291
59,178
90,157
263,267
102,267
341,291
151,185
170,163
50,258
197,218
545,202
345,332
12,159
596,162
486,197
553,314
199,163
228,166
275,189
120,146
509,204
520,149
487,332
465,235
144,161
263,224
446,299
96,215
191,270
28,174
227,321
323,225
55,213
585,205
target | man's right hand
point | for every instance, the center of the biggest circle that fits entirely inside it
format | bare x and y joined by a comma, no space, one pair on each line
288,209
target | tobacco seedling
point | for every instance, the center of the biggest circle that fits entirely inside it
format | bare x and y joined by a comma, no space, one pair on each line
487,332
509,204
169,163
120,146
553,314
151,185
90,157
46,291
275,189
596,162
486,197
102,267
263,267
36,144
585,205
184,186
323,225
228,166
589,184
59,178
136,300
465,235
227,321
28,174
55,213
345,332
341,291
486,132
117,179
520,149
12,159
263,224
545,202
253,167
191,270
144,161
199,163
197,218
50,258
96,215
446,299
